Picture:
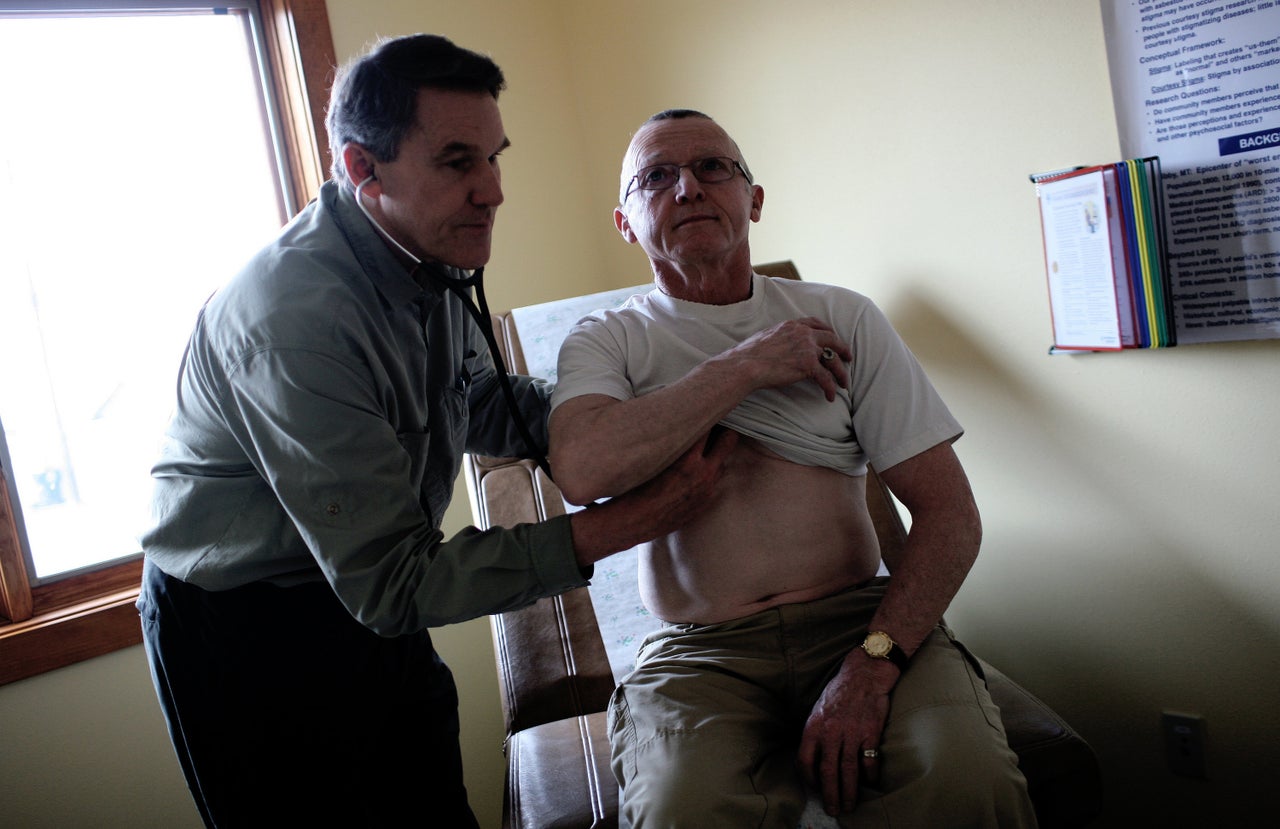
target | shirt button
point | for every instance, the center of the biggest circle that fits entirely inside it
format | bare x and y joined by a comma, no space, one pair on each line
333,509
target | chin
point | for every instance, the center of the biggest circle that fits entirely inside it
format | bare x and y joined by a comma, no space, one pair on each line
471,258
472,264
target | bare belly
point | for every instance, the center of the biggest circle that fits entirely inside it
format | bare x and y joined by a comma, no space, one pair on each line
776,533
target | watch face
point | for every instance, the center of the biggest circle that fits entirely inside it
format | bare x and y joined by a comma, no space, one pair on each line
878,644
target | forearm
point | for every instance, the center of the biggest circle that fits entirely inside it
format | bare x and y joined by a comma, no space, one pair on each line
604,529
421,579
946,532
937,556
657,507
601,447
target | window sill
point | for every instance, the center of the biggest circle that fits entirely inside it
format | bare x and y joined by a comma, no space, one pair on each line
75,631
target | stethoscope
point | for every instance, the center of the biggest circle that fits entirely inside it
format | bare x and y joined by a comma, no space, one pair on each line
462,287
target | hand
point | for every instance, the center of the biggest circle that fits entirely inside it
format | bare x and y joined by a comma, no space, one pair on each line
685,489
847,719
791,352
658,507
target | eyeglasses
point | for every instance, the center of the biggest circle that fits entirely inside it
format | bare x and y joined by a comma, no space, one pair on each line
709,170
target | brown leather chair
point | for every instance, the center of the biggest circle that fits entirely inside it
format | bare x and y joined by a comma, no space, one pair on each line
555,676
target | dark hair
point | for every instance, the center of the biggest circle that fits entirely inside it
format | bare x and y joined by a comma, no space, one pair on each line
375,97
668,114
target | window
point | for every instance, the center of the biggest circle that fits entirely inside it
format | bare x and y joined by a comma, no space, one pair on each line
163,144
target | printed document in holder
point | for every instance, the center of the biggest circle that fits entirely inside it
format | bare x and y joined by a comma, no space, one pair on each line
1104,256
1079,262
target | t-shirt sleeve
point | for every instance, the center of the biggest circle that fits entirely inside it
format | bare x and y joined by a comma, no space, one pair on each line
897,411
591,361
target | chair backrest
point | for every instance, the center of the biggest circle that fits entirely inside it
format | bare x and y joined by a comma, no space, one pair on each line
560,657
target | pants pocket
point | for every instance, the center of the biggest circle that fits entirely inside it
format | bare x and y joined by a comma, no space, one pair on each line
978,679
622,736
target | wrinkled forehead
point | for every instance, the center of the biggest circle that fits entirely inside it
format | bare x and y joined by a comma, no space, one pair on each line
677,140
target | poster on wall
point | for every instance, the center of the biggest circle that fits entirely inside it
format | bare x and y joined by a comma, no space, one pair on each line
1197,83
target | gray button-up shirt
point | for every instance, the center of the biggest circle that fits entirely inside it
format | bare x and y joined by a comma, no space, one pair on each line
324,404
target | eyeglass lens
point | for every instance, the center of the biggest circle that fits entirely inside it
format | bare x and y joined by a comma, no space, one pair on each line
706,170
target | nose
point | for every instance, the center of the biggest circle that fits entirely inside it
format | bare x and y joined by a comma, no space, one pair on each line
688,188
487,189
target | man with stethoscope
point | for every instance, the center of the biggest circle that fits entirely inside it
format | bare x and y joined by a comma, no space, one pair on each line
328,393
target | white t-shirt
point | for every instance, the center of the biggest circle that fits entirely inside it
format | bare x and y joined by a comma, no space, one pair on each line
889,413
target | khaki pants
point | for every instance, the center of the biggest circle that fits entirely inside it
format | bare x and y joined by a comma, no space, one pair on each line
705,731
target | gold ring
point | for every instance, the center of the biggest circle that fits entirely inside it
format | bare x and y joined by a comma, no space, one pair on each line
828,354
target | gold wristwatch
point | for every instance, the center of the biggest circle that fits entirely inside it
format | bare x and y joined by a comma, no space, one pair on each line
879,645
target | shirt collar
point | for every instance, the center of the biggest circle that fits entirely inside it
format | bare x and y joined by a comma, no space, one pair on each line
388,273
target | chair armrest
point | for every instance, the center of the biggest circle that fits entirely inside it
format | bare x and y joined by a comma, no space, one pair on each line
551,661
1064,778
558,777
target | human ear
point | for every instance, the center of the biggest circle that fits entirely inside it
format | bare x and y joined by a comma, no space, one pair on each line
623,225
359,164
757,202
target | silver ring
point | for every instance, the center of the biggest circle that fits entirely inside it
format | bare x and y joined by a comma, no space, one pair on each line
828,354
870,753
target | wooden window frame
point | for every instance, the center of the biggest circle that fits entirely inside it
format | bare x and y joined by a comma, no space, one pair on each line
52,625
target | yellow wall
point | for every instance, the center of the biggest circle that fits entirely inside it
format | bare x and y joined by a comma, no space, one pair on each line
1129,564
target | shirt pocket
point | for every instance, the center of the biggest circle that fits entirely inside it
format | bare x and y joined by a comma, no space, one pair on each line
435,454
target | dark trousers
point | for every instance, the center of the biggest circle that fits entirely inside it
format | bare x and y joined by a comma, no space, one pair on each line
284,711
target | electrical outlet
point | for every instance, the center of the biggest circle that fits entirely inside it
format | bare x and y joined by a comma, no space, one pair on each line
1184,743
